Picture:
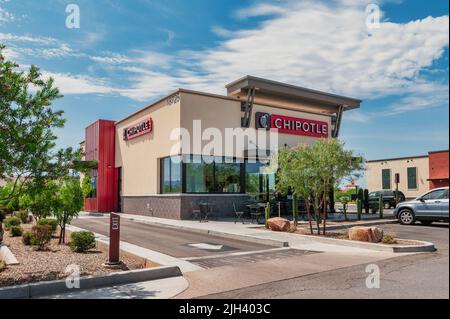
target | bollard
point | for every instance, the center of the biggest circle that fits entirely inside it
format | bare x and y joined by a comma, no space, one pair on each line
380,205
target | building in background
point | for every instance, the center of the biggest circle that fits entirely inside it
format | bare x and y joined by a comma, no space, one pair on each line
418,174
438,168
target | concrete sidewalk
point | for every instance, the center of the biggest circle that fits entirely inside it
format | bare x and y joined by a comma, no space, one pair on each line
154,289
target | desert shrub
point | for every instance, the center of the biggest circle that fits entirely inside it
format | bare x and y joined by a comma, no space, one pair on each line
15,231
82,241
53,223
22,215
27,238
389,239
11,221
41,236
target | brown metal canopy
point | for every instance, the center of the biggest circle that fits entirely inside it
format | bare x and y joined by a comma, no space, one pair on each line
271,88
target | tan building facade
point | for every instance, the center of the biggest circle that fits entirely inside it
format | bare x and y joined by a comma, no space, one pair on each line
413,172
167,157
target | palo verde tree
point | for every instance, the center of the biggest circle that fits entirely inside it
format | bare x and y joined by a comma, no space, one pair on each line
27,122
308,171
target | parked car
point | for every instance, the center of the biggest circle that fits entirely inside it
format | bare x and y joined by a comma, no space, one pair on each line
427,208
388,198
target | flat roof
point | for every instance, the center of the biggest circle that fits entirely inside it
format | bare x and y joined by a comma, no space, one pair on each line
291,91
441,151
396,158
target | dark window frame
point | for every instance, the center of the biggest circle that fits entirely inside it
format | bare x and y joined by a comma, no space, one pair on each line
383,181
415,178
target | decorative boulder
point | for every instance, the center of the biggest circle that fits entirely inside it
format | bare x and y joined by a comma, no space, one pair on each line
279,224
368,234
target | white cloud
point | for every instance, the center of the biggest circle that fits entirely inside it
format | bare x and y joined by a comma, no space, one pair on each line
6,16
69,84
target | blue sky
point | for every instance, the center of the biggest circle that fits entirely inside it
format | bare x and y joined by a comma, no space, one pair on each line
126,54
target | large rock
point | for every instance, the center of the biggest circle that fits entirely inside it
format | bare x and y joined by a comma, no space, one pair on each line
279,224
369,234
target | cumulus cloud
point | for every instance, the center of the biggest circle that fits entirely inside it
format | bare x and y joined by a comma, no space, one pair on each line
78,84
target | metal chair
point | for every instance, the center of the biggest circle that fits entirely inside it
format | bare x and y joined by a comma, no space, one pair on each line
239,214
204,211
195,212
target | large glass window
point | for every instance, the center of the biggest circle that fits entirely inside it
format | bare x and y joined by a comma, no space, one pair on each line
257,183
386,178
197,174
412,177
212,175
171,175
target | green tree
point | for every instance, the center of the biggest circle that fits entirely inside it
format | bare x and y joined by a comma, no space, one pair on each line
308,170
27,121
39,197
69,202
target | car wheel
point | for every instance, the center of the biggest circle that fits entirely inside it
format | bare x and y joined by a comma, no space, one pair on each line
426,222
406,217
387,205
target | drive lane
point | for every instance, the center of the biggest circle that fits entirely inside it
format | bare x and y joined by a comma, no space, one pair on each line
173,242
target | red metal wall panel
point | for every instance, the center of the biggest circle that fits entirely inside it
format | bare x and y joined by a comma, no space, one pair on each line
438,167
100,146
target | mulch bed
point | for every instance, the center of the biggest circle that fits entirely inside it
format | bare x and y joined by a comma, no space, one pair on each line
51,264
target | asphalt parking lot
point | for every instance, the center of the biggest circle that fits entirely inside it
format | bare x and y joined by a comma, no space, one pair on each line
174,242
422,275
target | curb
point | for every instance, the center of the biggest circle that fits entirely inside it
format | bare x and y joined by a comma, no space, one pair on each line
364,224
247,238
422,247
46,288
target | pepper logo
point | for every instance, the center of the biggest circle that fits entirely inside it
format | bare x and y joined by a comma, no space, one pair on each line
263,120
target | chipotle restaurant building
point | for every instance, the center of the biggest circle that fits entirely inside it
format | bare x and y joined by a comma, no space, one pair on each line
137,171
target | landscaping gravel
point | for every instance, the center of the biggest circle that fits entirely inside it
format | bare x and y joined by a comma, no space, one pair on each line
51,264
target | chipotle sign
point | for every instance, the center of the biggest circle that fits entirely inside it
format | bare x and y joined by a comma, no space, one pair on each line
138,129
292,125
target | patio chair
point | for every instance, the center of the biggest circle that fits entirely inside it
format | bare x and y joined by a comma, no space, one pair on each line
195,212
204,211
239,214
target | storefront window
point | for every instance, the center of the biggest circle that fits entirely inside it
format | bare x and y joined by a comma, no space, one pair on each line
199,175
258,184
212,175
228,177
171,175
216,175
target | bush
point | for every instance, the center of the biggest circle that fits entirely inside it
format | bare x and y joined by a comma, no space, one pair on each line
15,231
389,239
53,223
27,238
82,241
41,236
22,215
11,221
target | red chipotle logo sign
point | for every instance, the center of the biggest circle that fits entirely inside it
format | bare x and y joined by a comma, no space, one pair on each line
138,129
291,125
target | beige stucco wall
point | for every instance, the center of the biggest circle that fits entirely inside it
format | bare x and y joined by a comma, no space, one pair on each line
374,179
139,157
215,112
